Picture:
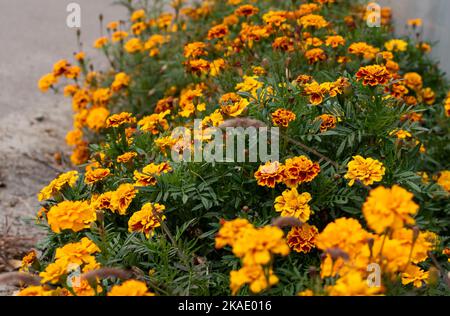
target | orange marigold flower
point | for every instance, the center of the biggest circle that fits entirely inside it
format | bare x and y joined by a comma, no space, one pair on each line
96,175
46,82
366,170
195,49
218,31
117,120
373,75
130,288
126,157
335,41
282,117
269,174
74,216
230,231
315,55
233,104
299,170
413,81
147,219
303,238
100,42
389,208
313,20
363,49
328,122
198,66
121,80
283,43
96,119
122,198
246,10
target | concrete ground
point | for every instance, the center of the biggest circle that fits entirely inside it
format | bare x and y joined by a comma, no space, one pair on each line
33,36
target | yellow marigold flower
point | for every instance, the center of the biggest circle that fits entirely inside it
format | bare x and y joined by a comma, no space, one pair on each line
344,233
313,20
217,66
101,96
218,31
232,104
147,219
400,134
121,81
315,55
373,75
195,49
275,18
53,272
117,120
413,81
389,208
299,170
137,15
335,41
246,10
84,288
126,157
415,22
134,45
77,252
119,36
259,71
428,96
198,66
282,117
363,49
70,90
74,216
444,180
250,84
138,28
72,72
396,45
103,201
303,238
153,123
96,118
100,42
366,170
256,276
419,244
96,175
316,92
46,82
54,187
230,231
415,275
28,260
292,204
257,245
353,283
60,67
130,288
269,174
122,198
35,291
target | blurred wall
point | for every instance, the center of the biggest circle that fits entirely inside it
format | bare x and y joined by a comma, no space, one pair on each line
436,23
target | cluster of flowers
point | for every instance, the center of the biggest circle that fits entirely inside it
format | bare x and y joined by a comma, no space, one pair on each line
351,101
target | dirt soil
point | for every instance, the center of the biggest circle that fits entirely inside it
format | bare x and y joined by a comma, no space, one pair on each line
33,125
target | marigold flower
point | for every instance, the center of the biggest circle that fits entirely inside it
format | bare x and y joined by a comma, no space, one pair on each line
415,275
74,216
363,49
137,15
230,231
283,43
121,81
130,288
117,120
250,84
218,31
413,81
126,157
353,283
366,170
292,204
153,123
282,117
232,104
134,45
256,276
335,41
444,180
36,291
46,82
96,175
103,201
389,208
122,198
54,187
195,49
246,10
119,36
396,45
96,118
315,55
303,238
328,122
198,66
299,170
257,245
147,219
269,174
100,42
373,75
313,20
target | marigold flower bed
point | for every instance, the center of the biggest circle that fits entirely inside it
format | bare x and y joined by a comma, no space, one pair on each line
362,179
